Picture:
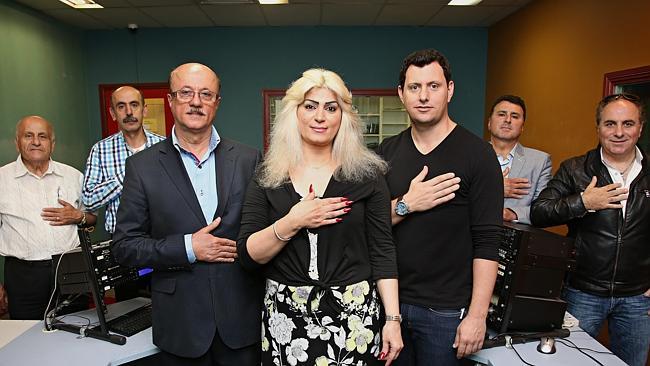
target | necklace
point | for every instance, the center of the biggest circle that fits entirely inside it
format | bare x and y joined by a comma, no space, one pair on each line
629,165
627,170
624,172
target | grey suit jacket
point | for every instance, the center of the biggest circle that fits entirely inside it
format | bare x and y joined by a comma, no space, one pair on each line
534,165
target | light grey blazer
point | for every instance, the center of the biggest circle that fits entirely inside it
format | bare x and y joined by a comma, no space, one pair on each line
534,165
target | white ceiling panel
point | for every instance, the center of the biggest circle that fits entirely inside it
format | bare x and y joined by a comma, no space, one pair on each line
112,3
76,18
457,16
235,15
292,14
499,2
412,2
44,4
408,14
198,13
121,17
349,14
339,2
179,16
149,3
501,13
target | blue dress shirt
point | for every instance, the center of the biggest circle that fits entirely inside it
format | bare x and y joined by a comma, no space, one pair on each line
203,177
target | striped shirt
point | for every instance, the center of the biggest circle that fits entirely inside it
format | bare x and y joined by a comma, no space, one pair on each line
105,173
23,232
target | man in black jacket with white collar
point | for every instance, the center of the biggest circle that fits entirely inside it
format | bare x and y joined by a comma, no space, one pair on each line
604,198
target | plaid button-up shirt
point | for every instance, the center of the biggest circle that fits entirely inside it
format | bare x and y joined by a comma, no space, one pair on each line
105,173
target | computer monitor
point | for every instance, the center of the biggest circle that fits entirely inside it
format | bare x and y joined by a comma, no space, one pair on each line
91,269
72,272
532,265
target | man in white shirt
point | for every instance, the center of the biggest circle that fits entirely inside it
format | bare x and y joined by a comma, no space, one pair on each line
40,210
526,171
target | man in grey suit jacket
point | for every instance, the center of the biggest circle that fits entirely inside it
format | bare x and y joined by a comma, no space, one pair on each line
526,171
180,212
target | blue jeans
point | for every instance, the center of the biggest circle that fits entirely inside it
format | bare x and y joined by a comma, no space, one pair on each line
627,317
428,336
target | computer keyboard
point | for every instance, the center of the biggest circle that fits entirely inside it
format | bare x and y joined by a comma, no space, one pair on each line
132,322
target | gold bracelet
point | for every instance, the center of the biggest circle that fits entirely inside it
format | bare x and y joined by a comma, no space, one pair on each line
394,318
278,235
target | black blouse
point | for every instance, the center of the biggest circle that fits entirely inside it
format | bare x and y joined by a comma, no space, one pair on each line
358,248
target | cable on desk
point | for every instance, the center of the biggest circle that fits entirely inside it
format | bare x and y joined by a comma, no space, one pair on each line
573,345
510,345
88,322
56,281
581,350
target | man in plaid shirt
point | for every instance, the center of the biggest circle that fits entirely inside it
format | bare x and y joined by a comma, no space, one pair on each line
105,166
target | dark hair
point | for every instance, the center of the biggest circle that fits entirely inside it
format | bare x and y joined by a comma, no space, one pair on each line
634,99
514,99
423,58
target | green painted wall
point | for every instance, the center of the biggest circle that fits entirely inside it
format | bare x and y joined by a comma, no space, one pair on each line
251,59
42,72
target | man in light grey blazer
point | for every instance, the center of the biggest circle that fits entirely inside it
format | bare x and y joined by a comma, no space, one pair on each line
526,171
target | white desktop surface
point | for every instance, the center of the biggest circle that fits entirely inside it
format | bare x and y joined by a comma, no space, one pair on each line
564,355
10,329
37,347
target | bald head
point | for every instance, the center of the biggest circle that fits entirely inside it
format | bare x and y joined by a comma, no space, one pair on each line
34,141
126,89
28,121
193,70
128,110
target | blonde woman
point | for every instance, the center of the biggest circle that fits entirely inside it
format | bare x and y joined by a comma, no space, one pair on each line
316,222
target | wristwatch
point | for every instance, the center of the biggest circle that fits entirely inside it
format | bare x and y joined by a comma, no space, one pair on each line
401,208
82,223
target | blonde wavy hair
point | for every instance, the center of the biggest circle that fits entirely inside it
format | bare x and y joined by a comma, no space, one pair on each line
356,162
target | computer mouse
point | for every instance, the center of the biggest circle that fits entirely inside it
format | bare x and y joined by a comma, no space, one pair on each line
546,345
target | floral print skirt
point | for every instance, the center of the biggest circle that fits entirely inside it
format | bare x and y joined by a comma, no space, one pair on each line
316,326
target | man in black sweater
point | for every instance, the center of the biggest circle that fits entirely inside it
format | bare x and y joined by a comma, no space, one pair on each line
447,192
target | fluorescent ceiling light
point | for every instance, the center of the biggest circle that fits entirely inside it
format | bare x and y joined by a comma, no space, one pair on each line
463,2
273,2
82,4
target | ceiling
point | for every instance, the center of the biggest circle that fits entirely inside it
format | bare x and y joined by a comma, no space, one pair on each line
248,13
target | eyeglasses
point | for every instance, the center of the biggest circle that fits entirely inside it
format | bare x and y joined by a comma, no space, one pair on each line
186,95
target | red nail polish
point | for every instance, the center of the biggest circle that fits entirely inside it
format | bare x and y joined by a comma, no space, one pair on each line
339,219
348,203
311,188
382,355
346,210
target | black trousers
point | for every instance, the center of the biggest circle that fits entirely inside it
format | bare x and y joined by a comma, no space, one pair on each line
29,285
218,355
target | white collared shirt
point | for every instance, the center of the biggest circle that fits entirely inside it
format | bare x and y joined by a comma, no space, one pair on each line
617,177
23,232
